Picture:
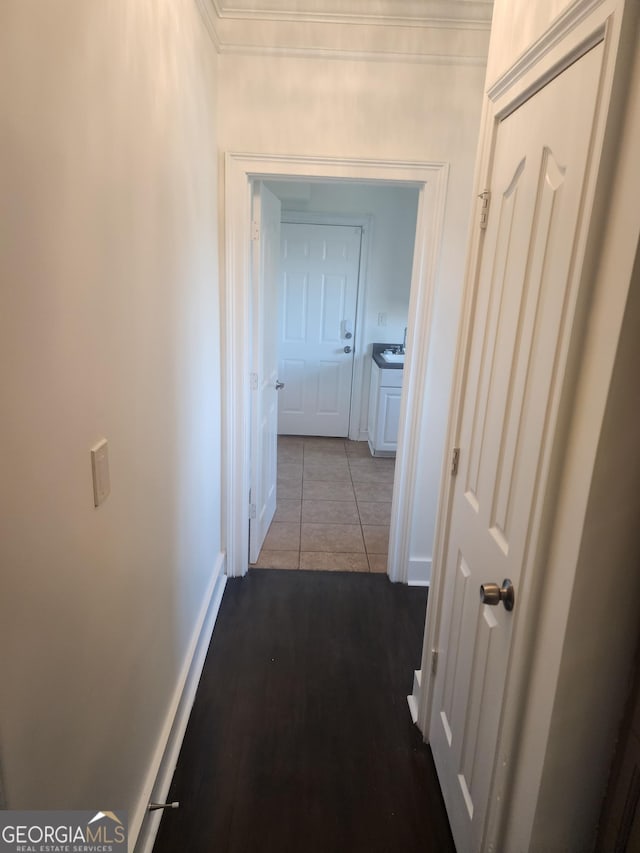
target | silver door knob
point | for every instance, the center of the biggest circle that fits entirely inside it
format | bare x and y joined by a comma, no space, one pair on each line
347,349
491,593
279,385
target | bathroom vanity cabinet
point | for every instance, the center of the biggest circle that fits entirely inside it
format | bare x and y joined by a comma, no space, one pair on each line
384,408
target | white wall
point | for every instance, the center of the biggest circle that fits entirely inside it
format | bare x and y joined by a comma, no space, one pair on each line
388,282
375,110
515,27
109,313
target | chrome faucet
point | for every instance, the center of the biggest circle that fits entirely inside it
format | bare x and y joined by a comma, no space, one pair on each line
404,341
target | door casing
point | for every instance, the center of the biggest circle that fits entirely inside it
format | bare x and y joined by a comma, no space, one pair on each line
430,178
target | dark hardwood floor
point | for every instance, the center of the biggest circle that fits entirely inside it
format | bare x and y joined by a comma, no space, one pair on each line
300,739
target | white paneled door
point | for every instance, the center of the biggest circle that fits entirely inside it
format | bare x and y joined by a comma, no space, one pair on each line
522,324
319,268
264,359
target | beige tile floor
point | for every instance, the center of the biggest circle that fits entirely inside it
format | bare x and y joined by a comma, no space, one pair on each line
334,507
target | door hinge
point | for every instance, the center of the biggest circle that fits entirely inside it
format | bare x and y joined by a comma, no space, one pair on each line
255,230
455,460
252,511
485,202
434,661
253,381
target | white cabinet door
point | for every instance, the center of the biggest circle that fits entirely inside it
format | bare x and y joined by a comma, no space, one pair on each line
264,396
318,291
388,419
372,420
516,359
384,410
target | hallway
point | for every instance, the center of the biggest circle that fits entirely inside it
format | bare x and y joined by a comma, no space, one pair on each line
300,739
334,507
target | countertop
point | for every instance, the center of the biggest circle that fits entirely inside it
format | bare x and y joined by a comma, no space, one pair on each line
382,364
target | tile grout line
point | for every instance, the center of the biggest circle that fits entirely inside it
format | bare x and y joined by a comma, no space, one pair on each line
325,457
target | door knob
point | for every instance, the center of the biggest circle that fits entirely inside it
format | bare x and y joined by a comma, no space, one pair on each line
279,385
491,593
347,349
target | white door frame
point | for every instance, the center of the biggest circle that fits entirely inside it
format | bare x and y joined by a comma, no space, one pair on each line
364,222
584,24
430,179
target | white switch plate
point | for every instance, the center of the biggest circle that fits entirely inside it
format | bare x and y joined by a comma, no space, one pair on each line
100,471
382,318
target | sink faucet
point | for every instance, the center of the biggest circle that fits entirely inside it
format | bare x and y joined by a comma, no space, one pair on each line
404,341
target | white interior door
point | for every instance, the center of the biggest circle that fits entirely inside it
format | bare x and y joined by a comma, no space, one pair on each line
517,353
264,379
318,293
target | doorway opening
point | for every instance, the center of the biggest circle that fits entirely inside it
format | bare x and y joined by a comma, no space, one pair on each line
429,180
343,291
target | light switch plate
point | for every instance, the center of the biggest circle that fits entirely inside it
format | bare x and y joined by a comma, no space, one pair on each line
100,471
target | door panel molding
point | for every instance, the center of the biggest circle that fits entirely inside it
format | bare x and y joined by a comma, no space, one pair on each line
240,169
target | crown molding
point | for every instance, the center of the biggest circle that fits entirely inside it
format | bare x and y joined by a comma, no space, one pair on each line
208,13
230,26
461,14
352,56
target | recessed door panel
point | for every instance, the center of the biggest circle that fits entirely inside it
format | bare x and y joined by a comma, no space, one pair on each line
295,250
291,398
520,339
333,292
295,288
328,388
486,345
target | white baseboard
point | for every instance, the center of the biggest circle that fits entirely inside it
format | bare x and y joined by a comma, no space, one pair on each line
419,571
143,826
413,698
